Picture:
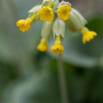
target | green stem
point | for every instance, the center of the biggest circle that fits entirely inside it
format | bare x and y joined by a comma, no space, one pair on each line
63,88
33,17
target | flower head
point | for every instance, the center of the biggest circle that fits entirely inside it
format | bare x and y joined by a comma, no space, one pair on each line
46,13
24,25
64,12
43,45
87,35
57,48
66,15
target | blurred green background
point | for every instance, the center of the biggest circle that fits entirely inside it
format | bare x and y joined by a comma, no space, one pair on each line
30,76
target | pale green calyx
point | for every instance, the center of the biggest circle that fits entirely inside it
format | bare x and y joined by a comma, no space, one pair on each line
64,3
45,3
76,20
35,9
47,29
52,3
34,16
56,3
59,28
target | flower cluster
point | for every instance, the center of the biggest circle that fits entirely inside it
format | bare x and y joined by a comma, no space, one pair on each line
56,16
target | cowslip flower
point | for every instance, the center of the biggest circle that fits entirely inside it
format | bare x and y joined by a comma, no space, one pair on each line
66,15
45,33
58,33
64,12
57,48
87,35
46,13
43,45
24,25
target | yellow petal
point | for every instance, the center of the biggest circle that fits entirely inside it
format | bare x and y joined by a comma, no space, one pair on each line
46,13
88,36
64,12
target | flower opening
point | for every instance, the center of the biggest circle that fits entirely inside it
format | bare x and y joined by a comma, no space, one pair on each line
43,45
46,13
57,48
64,12
74,29
87,35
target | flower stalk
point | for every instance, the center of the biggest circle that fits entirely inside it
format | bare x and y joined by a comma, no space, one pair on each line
62,81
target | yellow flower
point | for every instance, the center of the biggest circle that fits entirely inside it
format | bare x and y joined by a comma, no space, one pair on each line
24,25
87,35
43,45
64,12
57,48
46,13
